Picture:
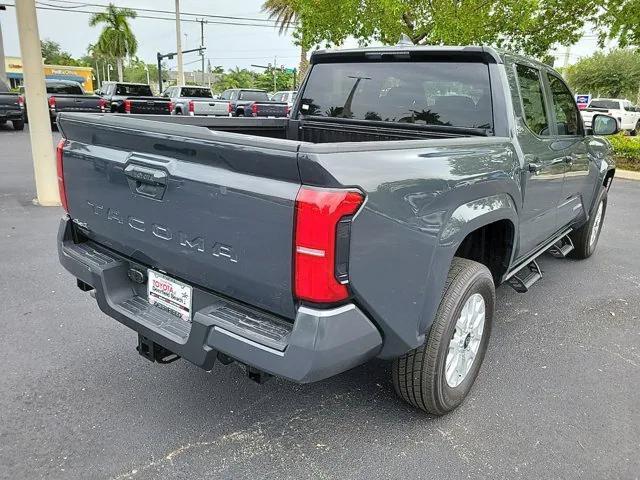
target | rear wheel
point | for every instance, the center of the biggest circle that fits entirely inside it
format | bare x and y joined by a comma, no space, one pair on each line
636,130
437,376
18,124
585,239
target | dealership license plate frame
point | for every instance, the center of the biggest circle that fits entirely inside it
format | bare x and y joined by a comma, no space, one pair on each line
170,295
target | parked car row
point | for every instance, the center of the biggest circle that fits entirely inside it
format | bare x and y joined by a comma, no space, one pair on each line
121,97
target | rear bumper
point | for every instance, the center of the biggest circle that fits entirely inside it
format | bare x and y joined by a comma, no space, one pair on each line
9,115
319,343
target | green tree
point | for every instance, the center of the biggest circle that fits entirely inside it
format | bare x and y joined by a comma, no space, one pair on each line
53,54
529,26
136,72
235,78
284,80
285,13
116,39
614,74
619,20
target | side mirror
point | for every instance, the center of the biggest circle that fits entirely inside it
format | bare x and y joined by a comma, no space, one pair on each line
604,125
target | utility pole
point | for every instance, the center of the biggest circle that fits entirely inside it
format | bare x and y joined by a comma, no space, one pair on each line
44,163
3,72
180,79
202,22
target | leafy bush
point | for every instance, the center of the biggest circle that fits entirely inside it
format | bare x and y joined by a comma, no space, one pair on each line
627,151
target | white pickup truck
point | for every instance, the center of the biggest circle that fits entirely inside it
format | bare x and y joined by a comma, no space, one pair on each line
194,100
627,114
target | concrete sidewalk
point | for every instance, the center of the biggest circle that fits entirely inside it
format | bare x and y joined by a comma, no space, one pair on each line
628,174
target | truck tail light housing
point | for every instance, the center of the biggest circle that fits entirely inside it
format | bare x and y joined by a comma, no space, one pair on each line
229,108
254,109
127,106
171,106
21,101
102,104
52,103
321,244
192,107
60,170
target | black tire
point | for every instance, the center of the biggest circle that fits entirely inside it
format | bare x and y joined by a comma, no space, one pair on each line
239,113
18,124
419,376
583,246
178,111
635,131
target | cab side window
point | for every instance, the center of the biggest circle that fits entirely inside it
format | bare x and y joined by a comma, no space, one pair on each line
564,106
532,97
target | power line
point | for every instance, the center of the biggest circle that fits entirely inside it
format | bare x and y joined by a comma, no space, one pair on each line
169,12
151,17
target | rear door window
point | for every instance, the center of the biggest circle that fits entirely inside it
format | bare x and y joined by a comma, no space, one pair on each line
454,94
254,95
64,88
133,90
532,97
608,104
196,92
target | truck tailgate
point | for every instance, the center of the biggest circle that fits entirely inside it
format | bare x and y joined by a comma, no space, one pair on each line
149,105
212,209
211,107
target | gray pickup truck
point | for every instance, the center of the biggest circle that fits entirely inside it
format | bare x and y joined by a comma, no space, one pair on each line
11,107
377,221
194,100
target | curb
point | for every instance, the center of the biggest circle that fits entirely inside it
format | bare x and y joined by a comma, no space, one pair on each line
627,174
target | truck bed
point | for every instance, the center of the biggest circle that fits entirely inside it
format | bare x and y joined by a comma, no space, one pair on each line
317,131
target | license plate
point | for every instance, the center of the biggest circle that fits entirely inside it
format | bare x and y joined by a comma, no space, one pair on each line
170,295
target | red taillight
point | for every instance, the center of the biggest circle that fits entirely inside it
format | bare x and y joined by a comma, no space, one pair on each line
60,170
229,108
102,105
319,260
171,106
127,106
192,107
288,110
21,101
52,102
254,109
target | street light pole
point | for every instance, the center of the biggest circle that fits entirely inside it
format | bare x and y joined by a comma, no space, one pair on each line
180,79
44,163
3,73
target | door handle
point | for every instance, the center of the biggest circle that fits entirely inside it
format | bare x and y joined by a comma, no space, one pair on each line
535,168
146,181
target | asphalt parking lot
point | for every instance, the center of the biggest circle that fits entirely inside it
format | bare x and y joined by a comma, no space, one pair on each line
557,397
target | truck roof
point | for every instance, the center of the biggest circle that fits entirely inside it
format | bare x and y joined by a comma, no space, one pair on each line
488,54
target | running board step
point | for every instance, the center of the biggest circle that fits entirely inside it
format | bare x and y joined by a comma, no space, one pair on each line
526,277
562,247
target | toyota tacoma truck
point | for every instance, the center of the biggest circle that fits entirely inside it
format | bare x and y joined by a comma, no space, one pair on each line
627,114
193,100
376,221
69,96
253,103
11,107
133,98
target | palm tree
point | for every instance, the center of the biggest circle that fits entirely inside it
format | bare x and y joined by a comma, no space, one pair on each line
116,40
285,16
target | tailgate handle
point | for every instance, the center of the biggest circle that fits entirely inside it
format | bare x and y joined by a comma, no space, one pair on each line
149,182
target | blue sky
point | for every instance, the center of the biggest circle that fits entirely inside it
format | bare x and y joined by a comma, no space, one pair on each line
227,45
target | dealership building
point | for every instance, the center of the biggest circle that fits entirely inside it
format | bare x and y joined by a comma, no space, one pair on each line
82,75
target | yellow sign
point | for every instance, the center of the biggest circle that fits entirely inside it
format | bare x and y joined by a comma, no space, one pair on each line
14,65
